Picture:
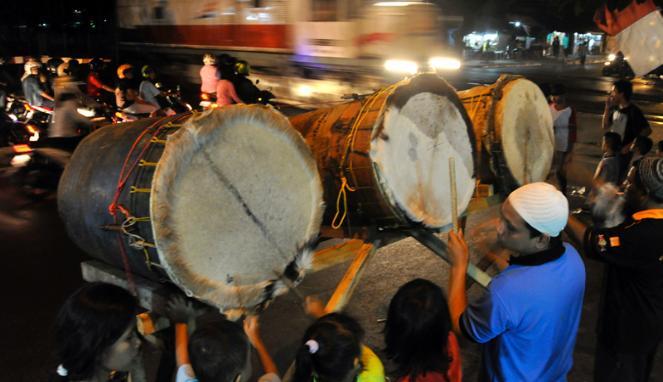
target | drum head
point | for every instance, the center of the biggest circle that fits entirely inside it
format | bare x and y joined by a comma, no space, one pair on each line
424,125
526,132
236,200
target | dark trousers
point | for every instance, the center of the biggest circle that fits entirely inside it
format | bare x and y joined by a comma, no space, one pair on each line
612,366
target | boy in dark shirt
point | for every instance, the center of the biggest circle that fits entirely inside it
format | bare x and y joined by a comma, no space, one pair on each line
622,117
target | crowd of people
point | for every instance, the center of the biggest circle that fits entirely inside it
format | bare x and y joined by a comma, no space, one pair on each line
526,320
61,87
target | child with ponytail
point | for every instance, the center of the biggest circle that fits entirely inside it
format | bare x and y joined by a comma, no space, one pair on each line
331,350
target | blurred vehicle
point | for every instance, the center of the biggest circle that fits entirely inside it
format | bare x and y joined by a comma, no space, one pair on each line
16,107
13,131
616,65
172,99
206,101
39,165
313,34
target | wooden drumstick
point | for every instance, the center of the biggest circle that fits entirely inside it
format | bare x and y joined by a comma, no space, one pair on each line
454,193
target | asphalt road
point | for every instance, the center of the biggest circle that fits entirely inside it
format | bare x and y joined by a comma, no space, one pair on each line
42,264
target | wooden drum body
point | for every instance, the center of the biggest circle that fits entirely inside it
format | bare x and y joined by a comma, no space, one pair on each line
514,131
384,160
224,204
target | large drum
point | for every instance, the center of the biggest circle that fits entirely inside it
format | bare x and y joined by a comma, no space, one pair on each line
224,204
513,126
384,159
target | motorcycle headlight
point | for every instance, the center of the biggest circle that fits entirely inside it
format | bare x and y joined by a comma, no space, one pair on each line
20,160
85,112
611,57
401,66
303,90
444,63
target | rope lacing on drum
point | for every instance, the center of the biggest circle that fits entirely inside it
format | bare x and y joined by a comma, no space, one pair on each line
125,173
349,147
135,241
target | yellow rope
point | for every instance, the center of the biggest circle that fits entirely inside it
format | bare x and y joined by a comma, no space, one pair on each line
135,189
342,193
349,147
144,163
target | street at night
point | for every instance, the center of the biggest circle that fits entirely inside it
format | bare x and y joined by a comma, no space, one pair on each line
160,198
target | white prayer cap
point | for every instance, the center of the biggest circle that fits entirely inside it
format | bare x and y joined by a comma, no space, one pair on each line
542,206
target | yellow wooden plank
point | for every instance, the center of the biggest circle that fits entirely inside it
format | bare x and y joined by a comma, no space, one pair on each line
346,287
336,254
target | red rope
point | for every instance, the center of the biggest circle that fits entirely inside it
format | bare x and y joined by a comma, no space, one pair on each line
121,183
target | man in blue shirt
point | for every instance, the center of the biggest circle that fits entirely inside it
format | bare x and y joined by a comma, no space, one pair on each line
31,90
528,318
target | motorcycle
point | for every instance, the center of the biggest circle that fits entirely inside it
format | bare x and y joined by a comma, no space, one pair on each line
207,101
617,66
16,108
39,165
13,131
266,97
172,99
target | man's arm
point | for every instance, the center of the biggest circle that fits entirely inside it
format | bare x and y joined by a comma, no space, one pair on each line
46,95
576,230
607,116
459,256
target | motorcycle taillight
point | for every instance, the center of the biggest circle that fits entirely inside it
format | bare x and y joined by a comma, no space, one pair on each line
31,128
21,149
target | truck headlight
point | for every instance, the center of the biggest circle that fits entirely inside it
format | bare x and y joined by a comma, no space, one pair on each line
401,66
444,63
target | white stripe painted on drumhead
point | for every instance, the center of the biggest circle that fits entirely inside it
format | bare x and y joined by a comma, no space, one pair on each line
412,157
236,198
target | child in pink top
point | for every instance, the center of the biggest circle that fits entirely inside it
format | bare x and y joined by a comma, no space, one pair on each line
209,75
226,94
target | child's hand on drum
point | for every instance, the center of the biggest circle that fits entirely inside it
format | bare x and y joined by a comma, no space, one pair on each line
314,307
252,329
180,310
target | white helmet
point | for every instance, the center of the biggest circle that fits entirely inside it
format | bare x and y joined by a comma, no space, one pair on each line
30,65
208,59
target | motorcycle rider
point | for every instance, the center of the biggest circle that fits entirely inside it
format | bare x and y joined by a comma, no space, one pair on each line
225,90
148,90
64,83
126,93
125,89
246,89
94,83
67,122
31,88
209,76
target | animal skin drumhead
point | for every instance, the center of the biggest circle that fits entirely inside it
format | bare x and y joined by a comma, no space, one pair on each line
236,199
526,132
412,154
